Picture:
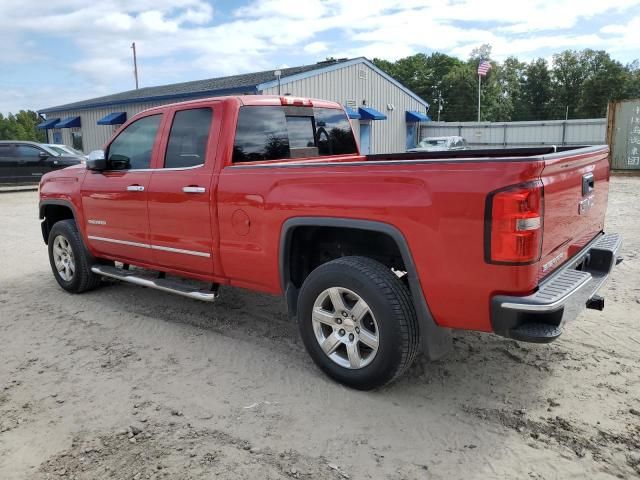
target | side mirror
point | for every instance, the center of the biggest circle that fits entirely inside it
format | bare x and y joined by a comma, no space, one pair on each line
96,161
43,155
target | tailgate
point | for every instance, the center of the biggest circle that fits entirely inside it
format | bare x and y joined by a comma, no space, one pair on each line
576,187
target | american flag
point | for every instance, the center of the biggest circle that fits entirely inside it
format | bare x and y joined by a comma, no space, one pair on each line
483,68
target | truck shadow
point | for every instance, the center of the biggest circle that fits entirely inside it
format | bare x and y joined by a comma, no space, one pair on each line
480,365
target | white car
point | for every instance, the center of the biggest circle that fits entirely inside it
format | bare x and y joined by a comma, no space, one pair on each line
440,144
65,150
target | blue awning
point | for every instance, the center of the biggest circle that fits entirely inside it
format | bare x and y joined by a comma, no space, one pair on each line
368,113
413,116
69,122
115,118
351,113
48,124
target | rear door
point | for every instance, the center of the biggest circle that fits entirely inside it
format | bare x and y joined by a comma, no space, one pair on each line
181,192
115,200
576,188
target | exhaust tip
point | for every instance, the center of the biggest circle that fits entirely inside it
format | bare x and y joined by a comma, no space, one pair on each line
596,303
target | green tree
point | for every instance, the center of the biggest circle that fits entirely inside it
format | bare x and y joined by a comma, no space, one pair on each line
606,80
460,92
537,92
21,126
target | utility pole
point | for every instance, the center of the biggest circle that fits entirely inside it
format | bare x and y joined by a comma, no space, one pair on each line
278,73
479,85
135,63
439,100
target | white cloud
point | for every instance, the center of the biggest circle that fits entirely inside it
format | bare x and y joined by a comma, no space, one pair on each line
180,40
316,47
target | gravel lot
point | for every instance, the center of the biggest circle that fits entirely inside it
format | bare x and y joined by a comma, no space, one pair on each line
130,383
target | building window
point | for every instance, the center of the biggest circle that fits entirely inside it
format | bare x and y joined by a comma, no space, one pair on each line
76,141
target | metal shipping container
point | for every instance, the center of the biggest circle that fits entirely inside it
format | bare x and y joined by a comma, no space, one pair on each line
623,134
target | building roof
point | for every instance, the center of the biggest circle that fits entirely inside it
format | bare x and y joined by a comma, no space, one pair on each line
244,83
247,83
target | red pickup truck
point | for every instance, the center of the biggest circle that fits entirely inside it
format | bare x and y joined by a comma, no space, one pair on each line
378,256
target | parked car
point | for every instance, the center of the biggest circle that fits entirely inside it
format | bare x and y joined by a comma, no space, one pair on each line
26,162
65,150
440,144
378,256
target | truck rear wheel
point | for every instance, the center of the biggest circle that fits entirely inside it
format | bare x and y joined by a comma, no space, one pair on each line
69,259
357,322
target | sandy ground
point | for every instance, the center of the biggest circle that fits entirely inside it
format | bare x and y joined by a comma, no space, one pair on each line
131,383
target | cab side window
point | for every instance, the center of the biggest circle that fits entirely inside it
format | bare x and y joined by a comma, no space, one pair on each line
131,150
187,145
27,152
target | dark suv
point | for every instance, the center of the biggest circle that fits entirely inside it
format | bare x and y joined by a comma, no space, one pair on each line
26,162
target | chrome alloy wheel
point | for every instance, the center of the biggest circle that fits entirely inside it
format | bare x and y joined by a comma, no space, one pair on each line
345,328
63,258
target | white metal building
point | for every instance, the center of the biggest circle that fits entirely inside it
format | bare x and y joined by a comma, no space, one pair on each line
384,113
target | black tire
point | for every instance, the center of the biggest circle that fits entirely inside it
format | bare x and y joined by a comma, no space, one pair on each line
389,302
83,279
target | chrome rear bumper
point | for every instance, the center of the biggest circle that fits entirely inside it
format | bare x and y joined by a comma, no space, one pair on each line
540,317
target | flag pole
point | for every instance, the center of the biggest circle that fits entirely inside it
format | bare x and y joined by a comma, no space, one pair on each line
479,84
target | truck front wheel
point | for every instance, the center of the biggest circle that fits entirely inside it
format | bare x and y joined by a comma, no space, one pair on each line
69,259
357,322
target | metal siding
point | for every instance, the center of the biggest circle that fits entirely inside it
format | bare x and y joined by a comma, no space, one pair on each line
94,136
344,84
624,134
499,134
339,85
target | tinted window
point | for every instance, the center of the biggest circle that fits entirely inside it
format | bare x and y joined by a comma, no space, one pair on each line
266,133
333,132
6,151
300,130
261,135
187,144
27,151
132,148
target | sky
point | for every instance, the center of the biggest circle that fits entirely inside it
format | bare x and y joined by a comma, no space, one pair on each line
59,51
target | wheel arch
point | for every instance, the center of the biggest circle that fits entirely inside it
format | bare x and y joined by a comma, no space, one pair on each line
435,340
52,211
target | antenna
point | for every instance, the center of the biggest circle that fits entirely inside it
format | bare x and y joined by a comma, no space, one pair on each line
135,63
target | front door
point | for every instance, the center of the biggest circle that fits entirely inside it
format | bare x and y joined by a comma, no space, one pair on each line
57,137
365,138
181,195
115,200
31,164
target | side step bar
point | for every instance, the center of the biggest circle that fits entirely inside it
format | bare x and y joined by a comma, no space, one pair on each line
157,283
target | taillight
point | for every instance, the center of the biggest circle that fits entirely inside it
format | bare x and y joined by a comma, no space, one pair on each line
513,225
296,101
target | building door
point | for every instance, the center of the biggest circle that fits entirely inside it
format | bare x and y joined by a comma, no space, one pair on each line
411,135
365,138
57,137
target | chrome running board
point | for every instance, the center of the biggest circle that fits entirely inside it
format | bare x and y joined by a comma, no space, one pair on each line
158,283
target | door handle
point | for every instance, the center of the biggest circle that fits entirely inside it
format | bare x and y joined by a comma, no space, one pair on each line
135,188
193,189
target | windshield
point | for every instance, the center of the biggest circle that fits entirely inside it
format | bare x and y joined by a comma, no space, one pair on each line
58,150
427,142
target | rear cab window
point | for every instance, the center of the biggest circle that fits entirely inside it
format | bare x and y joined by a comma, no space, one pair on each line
284,132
